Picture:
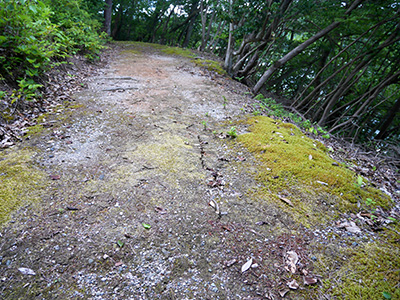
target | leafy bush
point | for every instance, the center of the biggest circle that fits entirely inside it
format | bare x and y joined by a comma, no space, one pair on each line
38,35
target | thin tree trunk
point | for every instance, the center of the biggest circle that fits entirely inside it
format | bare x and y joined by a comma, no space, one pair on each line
388,120
107,16
229,50
203,16
341,89
194,11
296,51
215,38
390,79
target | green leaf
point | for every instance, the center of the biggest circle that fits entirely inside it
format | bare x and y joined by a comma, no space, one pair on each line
146,226
33,8
386,295
359,180
120,243
392,219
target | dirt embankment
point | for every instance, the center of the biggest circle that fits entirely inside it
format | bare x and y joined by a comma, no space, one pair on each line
146,197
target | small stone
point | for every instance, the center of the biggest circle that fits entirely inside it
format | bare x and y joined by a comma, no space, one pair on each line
90,260
27,271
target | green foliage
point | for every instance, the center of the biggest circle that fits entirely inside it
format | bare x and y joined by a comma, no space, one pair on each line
232,132
38,35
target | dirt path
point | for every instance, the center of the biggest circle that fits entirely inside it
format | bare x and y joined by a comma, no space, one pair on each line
134,153
130,168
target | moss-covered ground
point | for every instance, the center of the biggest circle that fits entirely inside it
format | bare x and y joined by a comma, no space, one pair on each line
302,170
291,158
20,181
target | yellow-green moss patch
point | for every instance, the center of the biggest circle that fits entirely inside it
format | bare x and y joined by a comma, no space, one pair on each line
290,158
370,272
210,65
20,182
178,51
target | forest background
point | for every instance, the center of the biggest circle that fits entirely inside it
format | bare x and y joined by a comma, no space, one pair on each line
331,66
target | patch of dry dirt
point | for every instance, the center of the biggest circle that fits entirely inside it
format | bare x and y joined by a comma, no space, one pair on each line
138,151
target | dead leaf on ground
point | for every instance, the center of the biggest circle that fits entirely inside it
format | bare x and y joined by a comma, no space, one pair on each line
291,261
283,292
247,265
308,280
287,201
293,284
27,271
350,227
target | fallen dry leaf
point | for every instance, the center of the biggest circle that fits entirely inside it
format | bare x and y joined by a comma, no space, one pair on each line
247,265
292,260
283,292
350,227
293,284
308,280
287,201
27,271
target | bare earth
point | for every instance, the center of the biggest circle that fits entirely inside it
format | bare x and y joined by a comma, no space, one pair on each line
126,213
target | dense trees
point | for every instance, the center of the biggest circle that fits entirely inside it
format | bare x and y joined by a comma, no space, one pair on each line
335,62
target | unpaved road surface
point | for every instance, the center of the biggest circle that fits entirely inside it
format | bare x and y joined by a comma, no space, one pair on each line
126,212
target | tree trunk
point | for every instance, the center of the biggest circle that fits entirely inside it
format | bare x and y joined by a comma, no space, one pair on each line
203,16
107,16
229,50
296,51
194,11
214,41
388,120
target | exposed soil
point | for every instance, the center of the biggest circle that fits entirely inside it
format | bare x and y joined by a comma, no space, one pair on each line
132,169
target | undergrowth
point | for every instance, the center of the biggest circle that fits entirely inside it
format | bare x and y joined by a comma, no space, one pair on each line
36,36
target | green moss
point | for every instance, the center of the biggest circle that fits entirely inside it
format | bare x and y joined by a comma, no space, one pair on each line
131,51
210,65
289,158
371,271
32,130
19,181
178,51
